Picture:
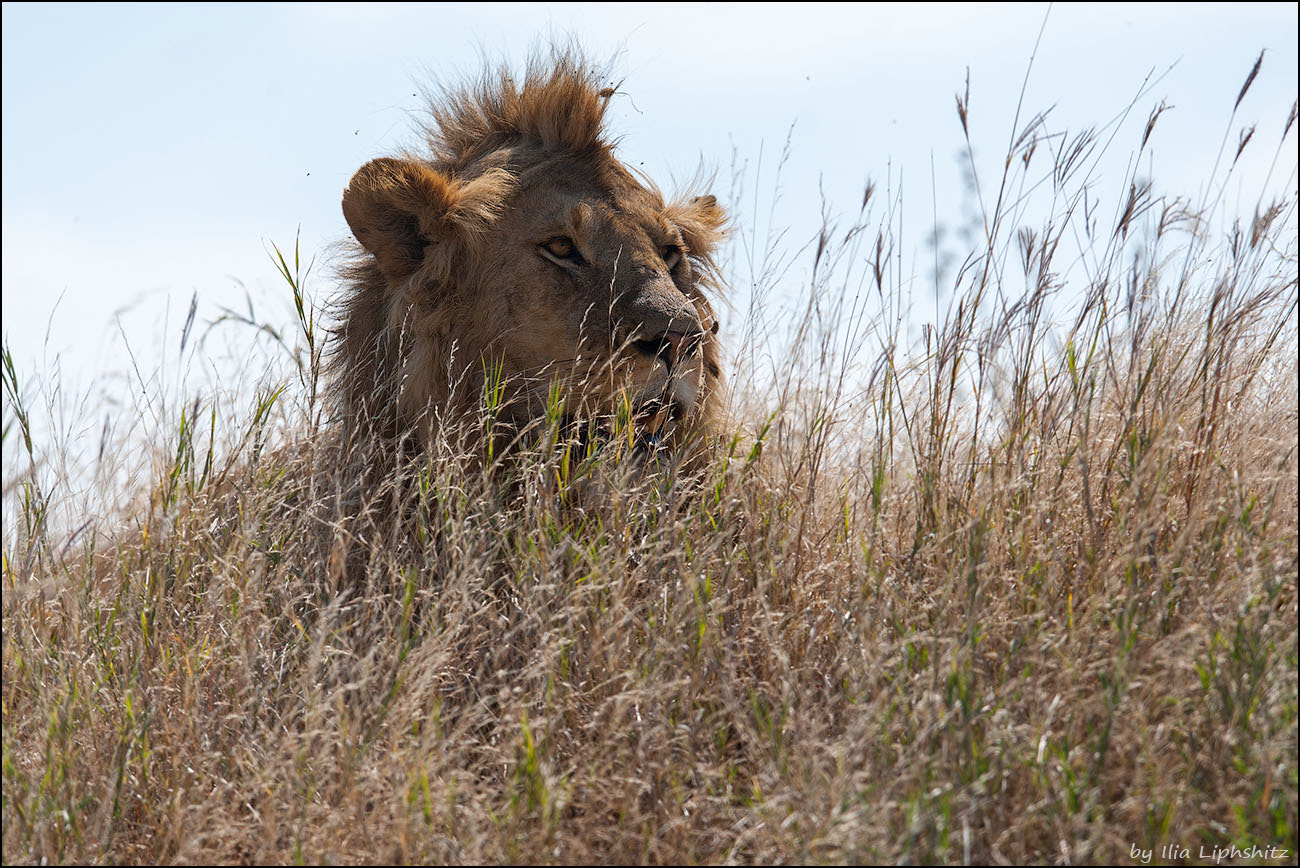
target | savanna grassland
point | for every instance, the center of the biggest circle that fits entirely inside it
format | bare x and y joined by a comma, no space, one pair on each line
1016,586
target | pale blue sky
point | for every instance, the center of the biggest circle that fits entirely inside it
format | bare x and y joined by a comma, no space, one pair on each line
150,151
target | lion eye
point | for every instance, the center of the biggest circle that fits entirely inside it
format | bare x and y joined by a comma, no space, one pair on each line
560,248
672,255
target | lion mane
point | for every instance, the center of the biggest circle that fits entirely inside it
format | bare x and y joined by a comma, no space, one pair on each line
517,253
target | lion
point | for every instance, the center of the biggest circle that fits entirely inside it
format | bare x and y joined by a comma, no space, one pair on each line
519,258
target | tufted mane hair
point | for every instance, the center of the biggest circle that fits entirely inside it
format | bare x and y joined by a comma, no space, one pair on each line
559,106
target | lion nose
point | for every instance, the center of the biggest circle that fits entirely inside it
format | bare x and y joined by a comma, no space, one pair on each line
670,346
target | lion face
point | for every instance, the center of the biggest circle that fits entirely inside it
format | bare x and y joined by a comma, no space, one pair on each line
596,293
522,258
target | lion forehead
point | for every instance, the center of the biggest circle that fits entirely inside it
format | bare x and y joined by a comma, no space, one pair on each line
613,221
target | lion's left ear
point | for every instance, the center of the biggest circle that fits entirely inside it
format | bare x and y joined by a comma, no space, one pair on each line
398,209
702,222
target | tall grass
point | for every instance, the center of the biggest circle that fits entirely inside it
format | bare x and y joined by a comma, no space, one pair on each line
1022,589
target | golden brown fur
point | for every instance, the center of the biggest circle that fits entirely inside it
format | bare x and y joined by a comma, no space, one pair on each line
519,243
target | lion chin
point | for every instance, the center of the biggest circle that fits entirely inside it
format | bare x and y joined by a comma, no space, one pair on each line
516,257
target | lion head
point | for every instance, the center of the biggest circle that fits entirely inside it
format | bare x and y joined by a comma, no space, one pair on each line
518,254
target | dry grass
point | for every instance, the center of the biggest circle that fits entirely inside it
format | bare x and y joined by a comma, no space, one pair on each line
1022,591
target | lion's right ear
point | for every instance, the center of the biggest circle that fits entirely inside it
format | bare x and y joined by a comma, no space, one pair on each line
702,222
397,208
